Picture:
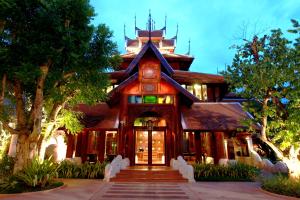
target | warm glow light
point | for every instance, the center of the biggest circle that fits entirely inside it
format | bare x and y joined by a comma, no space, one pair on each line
197,86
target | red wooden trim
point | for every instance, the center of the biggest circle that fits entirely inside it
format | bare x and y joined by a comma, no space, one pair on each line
78,145
101,145
219,146
198,146
70,146
84,144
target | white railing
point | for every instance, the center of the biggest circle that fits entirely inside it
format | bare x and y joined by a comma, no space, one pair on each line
115,167
187,171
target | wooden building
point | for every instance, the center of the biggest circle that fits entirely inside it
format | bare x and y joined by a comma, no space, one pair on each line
157,109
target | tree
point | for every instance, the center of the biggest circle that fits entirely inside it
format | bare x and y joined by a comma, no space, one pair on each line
266,72
50,55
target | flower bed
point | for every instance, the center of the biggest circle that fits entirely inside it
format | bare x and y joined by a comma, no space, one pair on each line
283,185
234,172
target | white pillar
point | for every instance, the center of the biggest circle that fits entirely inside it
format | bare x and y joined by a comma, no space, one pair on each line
226,148
13,145
249,143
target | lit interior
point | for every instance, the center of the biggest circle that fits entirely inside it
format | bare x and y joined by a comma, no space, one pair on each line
157,146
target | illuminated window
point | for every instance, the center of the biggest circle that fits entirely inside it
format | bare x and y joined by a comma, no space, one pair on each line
111,143
199,90
109,88
151,99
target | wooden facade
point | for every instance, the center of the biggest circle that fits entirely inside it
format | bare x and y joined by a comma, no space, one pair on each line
158,110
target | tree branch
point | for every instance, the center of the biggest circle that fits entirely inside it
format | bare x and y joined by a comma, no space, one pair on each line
7,127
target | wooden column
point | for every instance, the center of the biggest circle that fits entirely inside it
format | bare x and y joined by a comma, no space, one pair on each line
101,145
122,126
70,146
131,146
78,145
219,147
198,147
84,145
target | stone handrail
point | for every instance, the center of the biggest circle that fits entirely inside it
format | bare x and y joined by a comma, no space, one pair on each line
187,171
115,167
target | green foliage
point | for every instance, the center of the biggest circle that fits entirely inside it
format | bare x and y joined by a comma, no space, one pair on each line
67,169
6,166
235,172
39,173
282,185
266,70
70,120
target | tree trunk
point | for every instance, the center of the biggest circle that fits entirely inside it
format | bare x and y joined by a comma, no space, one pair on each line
26,150
50,127
38,102
264,120
27,145
3,86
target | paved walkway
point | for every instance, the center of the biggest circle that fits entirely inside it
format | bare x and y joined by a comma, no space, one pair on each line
77,189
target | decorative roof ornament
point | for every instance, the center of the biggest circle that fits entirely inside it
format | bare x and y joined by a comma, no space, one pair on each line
165,27
135,27
175,37
149,25
189,48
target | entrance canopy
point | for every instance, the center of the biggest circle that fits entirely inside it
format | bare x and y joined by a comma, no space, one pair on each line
214,117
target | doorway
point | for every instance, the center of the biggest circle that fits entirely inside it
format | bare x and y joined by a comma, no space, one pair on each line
149,147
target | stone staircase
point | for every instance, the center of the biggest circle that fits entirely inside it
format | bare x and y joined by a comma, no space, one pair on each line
148,174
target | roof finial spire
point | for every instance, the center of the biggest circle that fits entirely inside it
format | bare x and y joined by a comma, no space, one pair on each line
165,24
149,24
124,31
189,49
176,31
135,23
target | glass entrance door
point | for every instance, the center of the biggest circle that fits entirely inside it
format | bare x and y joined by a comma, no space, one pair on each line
149,147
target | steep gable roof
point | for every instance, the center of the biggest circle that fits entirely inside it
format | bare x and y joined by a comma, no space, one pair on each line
149,46
114,94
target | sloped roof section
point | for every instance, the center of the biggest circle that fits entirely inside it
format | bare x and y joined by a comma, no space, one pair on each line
214,117
99,116
149,46
190,77
154,33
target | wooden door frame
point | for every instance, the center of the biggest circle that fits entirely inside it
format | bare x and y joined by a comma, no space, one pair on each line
145,128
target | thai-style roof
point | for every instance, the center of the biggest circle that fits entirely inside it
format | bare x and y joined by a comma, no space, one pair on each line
149,46
113,95
192,77
132,43
214,117
168,42
131,55
99,116
154,33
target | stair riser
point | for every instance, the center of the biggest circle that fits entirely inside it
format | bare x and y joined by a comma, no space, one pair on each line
148,176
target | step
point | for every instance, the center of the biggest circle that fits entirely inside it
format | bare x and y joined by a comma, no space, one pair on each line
181,180
163,174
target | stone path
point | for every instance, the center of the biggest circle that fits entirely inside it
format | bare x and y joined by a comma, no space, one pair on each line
77,189
143,191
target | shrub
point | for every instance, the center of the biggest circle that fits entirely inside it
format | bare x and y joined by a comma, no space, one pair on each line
68,169
234,172
282,184
6,166
39,173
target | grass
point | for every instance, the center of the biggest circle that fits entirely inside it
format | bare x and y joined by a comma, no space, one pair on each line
281,184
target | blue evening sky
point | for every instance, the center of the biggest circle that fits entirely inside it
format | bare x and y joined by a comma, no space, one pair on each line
211,25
